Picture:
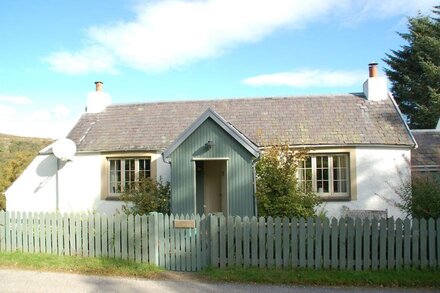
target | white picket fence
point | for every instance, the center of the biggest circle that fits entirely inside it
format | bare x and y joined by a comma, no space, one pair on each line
228,241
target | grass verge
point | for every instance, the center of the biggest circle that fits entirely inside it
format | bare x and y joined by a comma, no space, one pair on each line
391,278
122,268
80,265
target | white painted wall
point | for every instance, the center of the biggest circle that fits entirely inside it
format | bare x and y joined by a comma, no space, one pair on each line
379,172
79,185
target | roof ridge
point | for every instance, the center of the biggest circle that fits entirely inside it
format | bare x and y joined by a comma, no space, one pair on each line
281,97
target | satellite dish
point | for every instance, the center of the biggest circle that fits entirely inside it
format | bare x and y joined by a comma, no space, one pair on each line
64,149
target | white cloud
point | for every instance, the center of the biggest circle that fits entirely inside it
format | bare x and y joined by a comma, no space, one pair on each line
166,34
305,78
26,121
6,112
89,60
18,100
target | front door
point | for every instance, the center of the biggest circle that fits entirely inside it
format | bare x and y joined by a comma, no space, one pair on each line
211,186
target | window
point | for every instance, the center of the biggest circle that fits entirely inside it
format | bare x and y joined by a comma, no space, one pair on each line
326,174
124,172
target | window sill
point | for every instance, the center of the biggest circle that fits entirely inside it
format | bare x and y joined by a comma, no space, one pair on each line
113,198
334,198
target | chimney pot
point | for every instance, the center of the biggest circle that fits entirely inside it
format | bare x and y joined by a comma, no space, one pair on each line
372,69
99,85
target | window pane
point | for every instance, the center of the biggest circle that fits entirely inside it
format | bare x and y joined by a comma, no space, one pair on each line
326,186
115,176
305,174
129,173
322,174
144,168
340,173
308,162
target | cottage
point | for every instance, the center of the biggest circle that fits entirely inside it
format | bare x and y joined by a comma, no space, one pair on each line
359,149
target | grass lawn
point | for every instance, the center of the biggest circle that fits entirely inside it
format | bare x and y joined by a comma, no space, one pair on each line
391,278
115,267
81,265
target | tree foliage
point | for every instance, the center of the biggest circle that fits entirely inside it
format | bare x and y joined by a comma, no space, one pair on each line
278,191
145,196
420,197
414,71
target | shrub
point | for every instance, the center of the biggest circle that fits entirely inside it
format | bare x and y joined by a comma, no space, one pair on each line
278,191
420,198
2,202
145,196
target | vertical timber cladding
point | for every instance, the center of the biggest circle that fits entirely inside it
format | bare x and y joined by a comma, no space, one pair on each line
239,173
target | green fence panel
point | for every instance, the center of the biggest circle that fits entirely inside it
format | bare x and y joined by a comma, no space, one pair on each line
383,244
334,243
423,244
294,238
310,242
407,243
222,223
431,243
398,243
415,237
326,244
261,242
278,240
286,242
318,243
342,244
246,244
269,241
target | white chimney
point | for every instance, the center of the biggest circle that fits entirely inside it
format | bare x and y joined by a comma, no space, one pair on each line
375,87
98,100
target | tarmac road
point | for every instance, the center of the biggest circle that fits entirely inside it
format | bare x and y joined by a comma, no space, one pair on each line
33,281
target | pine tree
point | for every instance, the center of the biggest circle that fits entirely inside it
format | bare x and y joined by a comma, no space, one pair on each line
414,71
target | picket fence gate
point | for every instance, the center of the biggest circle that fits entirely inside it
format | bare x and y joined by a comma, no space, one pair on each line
219,241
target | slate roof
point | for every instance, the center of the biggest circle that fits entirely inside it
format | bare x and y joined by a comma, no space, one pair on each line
428,151
347,119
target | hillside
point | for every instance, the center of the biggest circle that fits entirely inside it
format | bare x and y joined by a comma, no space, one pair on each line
16,153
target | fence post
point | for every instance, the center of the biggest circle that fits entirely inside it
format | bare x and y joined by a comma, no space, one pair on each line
213,239
153,239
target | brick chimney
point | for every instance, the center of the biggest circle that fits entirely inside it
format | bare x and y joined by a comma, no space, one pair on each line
375,87
98,100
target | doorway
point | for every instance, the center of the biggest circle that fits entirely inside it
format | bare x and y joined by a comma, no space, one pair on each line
211,187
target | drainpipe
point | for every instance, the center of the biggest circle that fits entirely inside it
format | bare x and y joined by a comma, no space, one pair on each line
168,162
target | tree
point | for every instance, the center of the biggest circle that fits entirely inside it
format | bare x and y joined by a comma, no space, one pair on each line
414,71
420,197
278,191
145,196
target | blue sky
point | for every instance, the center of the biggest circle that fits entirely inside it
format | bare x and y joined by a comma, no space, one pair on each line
51,52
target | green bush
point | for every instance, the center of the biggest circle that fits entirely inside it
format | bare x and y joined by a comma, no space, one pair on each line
2,202
278,191
420,198
145,196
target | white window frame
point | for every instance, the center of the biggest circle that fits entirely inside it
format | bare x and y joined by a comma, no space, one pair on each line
123,179
331,195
